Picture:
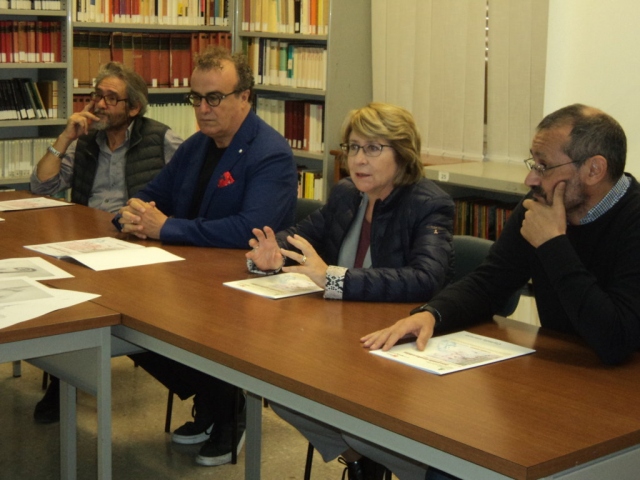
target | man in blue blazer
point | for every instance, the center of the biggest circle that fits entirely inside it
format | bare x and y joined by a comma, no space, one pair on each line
234,175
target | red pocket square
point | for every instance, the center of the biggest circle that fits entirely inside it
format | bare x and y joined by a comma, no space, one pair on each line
225,180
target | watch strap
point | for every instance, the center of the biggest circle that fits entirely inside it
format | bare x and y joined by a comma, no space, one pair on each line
428,308
54,151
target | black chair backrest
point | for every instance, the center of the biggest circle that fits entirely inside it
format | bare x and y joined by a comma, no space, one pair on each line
471,252
305,207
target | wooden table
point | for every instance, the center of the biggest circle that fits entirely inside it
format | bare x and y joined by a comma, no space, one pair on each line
73,344
555,414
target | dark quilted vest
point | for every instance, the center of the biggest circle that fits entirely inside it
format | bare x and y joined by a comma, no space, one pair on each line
144,159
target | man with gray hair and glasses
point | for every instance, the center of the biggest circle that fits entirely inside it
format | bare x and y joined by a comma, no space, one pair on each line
106,153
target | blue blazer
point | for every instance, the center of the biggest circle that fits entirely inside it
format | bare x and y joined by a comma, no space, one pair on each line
254,184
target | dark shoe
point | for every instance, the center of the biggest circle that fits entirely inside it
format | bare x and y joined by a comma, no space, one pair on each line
362,469
217,450
48,409
200,429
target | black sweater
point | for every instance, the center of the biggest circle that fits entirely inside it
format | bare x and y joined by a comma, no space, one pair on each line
586,282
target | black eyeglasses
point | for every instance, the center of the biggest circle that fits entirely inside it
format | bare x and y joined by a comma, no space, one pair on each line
109,99
212,99
370,149
541,169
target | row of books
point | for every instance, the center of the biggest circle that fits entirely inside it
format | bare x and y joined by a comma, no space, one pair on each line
153,12
481,217
277,62
29,41
30,4
18,157
308,17
300,122
310,184
25,99
162,59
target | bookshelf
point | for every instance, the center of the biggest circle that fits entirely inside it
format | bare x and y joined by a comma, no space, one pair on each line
59,71
62,70
347,75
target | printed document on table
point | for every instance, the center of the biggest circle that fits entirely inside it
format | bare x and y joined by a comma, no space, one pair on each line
454,352
23,298
106,253
31,203
277,286
35,268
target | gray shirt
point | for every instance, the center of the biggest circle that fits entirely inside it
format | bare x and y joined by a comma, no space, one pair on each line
109,192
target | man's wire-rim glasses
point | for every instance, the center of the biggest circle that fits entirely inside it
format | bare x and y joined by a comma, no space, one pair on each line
541,169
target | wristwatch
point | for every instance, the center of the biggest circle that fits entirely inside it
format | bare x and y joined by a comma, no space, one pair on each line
427,308
55,152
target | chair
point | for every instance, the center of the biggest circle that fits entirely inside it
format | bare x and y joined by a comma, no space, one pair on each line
305,207
469,253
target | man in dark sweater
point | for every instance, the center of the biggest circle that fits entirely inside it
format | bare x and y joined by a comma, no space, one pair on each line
576,235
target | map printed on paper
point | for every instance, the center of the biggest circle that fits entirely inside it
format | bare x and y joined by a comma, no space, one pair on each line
277,286
454,352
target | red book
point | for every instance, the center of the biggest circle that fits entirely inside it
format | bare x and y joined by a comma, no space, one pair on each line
180,61
31,42
137,48
164,60
117,49
40,53
7,41
127,49
147,57
56,49
22,41
203,41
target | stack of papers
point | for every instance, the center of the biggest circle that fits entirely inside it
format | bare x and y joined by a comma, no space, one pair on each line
23,298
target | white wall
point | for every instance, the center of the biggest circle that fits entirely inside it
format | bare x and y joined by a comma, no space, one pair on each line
593,57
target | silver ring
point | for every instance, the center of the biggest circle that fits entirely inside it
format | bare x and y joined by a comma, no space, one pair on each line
303,260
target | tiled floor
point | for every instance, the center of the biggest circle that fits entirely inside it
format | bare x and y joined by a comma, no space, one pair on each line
141,449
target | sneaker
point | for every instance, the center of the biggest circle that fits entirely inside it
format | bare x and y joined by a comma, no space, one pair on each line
48,409
197,431
362,469
217,450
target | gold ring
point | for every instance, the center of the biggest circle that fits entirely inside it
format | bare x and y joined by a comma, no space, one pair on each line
303,260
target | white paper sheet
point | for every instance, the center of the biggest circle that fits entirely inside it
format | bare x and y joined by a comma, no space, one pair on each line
35,268
454,352
23,298
111,259
277,286
31,203
76,247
